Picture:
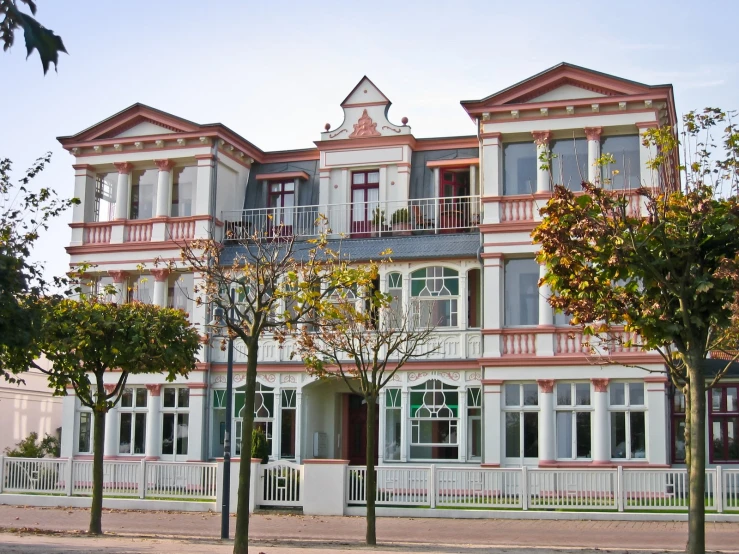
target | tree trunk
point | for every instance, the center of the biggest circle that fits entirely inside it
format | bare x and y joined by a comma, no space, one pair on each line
697,469
241,536
371,477
98,446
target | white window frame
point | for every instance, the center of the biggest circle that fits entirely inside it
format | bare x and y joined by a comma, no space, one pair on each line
436,294
82,409
287,394
521,409
572,408
134,409
456,425
628,408
477,398
393,402
259,418
176,411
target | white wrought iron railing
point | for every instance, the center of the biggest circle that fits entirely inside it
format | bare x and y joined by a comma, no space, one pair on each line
359,219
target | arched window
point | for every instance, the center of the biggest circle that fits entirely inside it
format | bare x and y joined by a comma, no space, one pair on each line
434,421
435,296
264,412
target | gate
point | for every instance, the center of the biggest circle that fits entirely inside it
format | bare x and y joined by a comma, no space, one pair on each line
280,484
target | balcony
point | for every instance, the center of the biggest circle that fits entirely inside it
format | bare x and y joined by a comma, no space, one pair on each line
140,230
458,214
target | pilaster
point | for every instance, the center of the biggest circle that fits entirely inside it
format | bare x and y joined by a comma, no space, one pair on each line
491,389
601,431
153,426
546,421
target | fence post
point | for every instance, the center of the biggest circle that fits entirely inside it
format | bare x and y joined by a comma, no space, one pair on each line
69,475
620,488
524,487
2,472
719,489
142,480
432,487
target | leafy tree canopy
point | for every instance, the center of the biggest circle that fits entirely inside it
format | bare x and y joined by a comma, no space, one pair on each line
31,447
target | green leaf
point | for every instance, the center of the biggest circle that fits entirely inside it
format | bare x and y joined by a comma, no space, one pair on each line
42,39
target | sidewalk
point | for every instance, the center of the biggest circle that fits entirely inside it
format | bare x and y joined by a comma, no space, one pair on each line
286,531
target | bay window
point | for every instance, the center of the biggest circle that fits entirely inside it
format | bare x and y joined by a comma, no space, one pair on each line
434,411
143,193
521,292
435,296
132,421
628,421
520,166
573,421
521,407
175,420
569,163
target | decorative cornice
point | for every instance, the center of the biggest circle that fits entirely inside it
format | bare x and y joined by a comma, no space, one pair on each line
164,165
541,138
160,274
124,168
154,390
593,133
118,275
546,385
600,384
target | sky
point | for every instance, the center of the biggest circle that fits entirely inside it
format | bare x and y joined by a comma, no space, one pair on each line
276,71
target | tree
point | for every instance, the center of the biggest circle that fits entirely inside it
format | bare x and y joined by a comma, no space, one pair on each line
364,339
23,215
31,447
85,339
267,272
671,278
37,36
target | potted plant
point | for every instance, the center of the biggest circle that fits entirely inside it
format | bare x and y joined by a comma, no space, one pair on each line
401,222
378,221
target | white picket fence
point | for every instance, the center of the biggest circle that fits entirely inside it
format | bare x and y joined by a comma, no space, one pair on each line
136,479
616,489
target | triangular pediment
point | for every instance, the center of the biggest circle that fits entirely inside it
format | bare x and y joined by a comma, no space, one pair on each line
365,93
137,120
561,82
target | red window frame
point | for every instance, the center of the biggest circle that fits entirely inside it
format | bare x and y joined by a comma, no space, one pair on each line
361,226
280,203
677,416
723,416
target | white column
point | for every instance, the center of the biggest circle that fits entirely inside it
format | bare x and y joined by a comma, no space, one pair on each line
164,187
541,138
203,189
120,282
381,428
593,136
122,195
111,428
491,423
462,430
153,425
298,425
404,419
493,303
69,424
545,340
657,439
276,422
161,282
647,176
196,447
546,421
601,432
84,189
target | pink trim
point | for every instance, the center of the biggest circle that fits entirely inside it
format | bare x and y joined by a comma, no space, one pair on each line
593,133
197,386
517,226
546,385
118,275
164,165
155,390
492,381
600,385
662,379
458,162
489,465
124,168
326,461
647,125
160,274
541,138
151,458
535,115
285,175
204,157
109,388
583,360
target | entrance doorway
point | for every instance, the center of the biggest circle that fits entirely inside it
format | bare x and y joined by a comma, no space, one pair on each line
355,425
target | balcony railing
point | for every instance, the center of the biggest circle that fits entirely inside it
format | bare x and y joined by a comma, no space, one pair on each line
457,214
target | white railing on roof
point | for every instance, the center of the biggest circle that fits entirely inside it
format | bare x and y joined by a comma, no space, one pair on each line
359,219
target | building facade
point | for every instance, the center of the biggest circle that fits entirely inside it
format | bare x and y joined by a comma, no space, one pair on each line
508,382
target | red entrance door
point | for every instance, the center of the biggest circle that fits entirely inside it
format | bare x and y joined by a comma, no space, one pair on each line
355,423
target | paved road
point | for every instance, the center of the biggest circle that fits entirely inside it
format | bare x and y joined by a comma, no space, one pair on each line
446,535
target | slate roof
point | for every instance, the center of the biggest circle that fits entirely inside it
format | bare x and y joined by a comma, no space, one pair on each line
421,247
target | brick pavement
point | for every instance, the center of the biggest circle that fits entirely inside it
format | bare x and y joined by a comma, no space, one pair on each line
301,530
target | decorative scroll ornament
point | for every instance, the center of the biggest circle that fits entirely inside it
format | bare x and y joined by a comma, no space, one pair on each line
365,127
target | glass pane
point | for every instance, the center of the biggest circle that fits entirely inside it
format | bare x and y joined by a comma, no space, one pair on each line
716,397
717,441
582,394
106,187
392,434
183,397
141,397
513,435
139,442
124,434
474,438
288,398
521,292
732,439
167,433
520,166
531,435
127,398
218,432
731,399
183,191
679,438
83,444
564,434
358,179
287,437
618,435
143,193
564,394
531,395
678,402
618,394
636,394
570,162
168,398
583,434
513,395
183,421
624,173
373,177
